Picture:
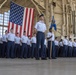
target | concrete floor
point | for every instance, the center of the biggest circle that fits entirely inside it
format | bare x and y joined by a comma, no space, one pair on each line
60,66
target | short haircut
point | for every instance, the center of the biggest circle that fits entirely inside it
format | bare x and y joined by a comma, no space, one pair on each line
41,15
5,30
65,36
70,38
55,37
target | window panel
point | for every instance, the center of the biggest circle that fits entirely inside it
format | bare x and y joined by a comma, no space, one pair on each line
5,13
0,30
1,21
4,16
0,34
1,15
4,29
0,27
6,24
6,21
1,18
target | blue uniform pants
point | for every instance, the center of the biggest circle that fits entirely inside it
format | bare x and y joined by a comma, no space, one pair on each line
29,51
48,50
45,51
53,55
74,51
1,46
10,50
4,49
40,41
57,50
61,51
70,51
65,50
24,51
17,50
33,50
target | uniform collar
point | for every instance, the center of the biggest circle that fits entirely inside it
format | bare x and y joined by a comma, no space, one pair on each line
11,33
41,21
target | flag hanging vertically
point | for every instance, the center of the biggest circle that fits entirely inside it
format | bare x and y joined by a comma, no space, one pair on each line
21,19
53,25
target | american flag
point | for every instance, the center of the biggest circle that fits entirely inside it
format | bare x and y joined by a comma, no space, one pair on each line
21,19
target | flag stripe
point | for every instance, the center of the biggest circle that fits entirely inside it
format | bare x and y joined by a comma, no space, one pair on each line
8,27
13,25
27,20
20,30
30,21
23,22
16,28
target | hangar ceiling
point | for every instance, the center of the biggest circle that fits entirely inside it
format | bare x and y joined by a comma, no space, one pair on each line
64,12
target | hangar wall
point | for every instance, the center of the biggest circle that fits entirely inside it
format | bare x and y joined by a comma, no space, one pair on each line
64,12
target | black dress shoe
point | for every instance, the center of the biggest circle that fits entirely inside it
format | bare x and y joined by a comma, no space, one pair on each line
37,58
49,58
43,59
32,57
53,58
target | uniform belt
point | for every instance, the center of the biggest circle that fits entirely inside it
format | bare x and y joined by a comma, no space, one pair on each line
69,46
65,45
24,43
33,43
61,46
10,41
49,41
4,41
17,43
56,46
40,32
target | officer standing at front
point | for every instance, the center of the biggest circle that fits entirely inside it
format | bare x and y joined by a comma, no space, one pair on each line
40,28
4,39
10,45
24,40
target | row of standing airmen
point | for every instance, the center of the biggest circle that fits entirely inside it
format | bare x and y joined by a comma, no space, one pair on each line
26,47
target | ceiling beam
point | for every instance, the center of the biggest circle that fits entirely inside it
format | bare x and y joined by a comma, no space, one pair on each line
3,3
36,7
39,4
